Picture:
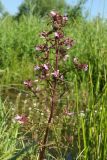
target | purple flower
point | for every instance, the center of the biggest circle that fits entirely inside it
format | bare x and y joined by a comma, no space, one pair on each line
55,74
58,35
45,66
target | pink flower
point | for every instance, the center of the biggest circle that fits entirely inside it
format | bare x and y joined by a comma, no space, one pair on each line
65,18
21,119
83,67
58,35
38,48
28,83
58,20
53,13
45,66
56,17
55,73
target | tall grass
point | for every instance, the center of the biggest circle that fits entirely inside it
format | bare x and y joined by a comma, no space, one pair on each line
83,135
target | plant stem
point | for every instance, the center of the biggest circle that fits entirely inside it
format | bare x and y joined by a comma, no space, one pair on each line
42,152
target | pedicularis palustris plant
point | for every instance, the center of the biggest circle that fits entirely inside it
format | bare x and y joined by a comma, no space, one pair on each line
53,56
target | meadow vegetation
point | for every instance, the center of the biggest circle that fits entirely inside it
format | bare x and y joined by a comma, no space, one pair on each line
80,131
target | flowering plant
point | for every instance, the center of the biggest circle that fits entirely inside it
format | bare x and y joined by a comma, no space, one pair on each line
53,56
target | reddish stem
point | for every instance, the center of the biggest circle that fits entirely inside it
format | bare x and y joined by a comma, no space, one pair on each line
42,152
57,50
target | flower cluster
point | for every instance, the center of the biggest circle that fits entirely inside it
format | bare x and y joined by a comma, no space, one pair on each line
45,70
58,20
54,40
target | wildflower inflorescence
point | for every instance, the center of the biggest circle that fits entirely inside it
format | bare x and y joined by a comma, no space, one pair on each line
58,42
55,48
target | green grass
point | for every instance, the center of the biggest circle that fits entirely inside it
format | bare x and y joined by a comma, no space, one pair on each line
8,132
84,134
